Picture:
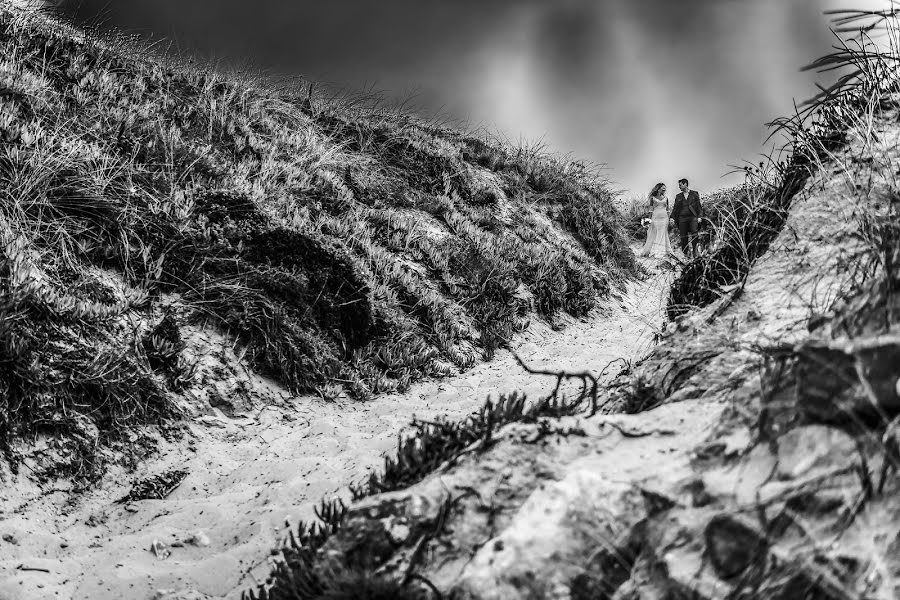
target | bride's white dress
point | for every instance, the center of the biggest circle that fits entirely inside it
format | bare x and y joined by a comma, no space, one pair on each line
658,244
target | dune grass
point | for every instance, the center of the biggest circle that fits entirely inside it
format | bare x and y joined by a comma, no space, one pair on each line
746,219
634,209
867,75
340,243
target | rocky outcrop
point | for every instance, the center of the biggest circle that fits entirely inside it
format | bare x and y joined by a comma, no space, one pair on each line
629,509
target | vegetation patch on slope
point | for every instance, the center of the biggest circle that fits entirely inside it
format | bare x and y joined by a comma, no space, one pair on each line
339,245
815,133
855,381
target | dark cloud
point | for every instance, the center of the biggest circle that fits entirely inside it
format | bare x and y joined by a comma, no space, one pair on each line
655,88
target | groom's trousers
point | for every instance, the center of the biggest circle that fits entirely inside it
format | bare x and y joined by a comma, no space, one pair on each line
687,229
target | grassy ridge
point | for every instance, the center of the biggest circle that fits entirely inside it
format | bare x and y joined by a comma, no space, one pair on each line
339,245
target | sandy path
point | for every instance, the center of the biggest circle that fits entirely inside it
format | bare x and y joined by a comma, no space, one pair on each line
251,474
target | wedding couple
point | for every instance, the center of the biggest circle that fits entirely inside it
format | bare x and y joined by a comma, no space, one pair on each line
686,214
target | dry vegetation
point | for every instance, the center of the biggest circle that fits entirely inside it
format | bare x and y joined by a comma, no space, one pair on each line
355,246
751,221
854,379
342,245
633,209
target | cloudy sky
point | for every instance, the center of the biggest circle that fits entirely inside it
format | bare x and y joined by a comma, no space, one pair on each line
655,89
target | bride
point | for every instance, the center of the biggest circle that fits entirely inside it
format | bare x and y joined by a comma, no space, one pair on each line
657,244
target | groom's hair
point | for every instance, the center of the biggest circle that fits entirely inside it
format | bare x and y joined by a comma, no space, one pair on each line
684,181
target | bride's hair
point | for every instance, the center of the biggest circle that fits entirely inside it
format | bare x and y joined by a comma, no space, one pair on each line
654,193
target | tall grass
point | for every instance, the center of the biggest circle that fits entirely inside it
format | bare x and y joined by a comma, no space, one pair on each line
634,209
339,241
815,133
746,219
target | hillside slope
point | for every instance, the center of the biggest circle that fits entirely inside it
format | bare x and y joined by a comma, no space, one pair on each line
341,247
752,454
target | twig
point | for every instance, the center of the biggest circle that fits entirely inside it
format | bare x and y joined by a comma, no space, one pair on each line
728,301
632,434
38,569
584,376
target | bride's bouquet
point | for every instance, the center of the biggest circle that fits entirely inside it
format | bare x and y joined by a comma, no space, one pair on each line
645,223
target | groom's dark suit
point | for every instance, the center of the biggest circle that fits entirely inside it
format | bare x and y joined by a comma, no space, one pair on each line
687,214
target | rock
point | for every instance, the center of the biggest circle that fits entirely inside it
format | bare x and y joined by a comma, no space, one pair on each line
697,494
687,575
10,539
211,421
880,362
830,385
578,534
656,502
160,550
827,385
225,404
640,586
733,544
815,472
736,442
198,538
790,579
378,527
742,479
399,532
97,519
804,450
674,562
688,392
891,442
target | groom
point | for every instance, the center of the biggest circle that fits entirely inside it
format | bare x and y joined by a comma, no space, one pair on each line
687,213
